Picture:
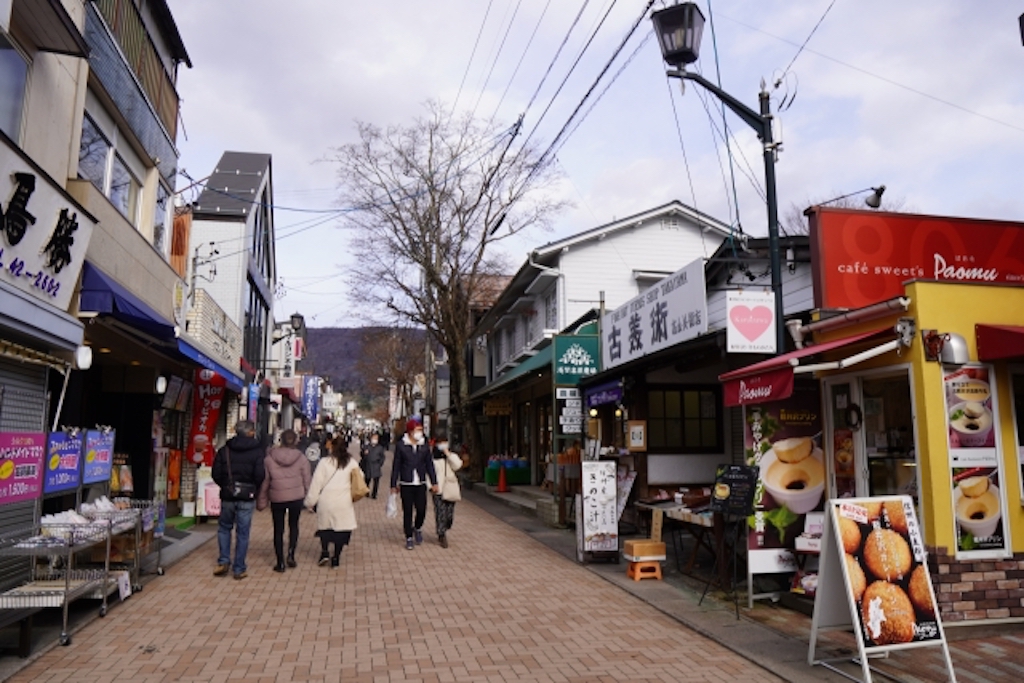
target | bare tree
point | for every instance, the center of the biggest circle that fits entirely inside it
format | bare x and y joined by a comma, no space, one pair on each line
434,198
794,222
389,354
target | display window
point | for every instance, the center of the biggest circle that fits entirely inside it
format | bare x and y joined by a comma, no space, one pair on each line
1017,387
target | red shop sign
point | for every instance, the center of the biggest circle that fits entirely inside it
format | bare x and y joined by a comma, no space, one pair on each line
863,257
207,401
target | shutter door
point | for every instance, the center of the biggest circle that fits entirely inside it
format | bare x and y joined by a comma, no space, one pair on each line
22,409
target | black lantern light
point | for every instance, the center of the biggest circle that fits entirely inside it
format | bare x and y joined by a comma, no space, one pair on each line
679,30
297,321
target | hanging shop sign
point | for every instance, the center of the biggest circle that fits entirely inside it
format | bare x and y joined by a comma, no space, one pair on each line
311,397
604,394
750,321
207,401
672,311
217,333
861,257
21,466
979,502
253,402
63,461
874,578
576,357
498,405
600,513
99,456
569,408
779,440
45,231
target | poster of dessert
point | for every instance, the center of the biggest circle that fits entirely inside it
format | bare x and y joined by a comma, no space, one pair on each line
886,571
979,507
782,439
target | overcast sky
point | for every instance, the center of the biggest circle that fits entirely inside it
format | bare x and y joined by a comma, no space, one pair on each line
924,96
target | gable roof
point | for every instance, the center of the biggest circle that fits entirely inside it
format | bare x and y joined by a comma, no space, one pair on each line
232,189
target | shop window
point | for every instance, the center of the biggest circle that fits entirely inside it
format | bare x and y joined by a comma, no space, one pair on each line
124,190
13,77
107,161
687,420
551,310
93,152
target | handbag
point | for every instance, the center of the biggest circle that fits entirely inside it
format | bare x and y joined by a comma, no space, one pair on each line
450,489
240,490
359,488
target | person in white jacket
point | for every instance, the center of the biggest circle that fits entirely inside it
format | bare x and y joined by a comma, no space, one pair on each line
330,493
446,464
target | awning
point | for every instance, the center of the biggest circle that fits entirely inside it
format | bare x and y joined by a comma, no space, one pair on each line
772,379
49,26
538,361
103,294
233,380
996,342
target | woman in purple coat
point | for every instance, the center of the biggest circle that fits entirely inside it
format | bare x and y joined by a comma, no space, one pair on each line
285,487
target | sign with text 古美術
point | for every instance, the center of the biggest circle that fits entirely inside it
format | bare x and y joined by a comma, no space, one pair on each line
45,233
750,321
575,357
672,311
63,461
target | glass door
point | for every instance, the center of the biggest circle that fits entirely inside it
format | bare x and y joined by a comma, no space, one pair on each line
888,434
845,460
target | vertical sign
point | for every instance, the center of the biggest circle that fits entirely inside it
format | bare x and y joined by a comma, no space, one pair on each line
99,456
310,397
63,461
576,357
750,321
570,411
979,509
207,400
21,466
253,395
600,510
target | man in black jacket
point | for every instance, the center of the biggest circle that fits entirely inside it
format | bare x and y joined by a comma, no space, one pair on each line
411,467
239,479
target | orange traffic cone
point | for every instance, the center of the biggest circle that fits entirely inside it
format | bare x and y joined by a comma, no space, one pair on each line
502,481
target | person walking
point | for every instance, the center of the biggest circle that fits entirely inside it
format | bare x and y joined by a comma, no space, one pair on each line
373,463
238,470
330,493
284,488
412,466
446,464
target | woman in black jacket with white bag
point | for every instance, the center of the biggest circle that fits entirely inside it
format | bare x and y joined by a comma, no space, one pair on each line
411,468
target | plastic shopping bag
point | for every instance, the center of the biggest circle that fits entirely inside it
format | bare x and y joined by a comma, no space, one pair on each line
392,506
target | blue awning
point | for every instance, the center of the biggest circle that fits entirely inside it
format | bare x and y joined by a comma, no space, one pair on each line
234,381
103,294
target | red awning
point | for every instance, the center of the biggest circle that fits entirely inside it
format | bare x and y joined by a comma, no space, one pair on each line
772,379
996,342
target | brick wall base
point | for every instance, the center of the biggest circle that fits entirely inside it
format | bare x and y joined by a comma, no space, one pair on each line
975,590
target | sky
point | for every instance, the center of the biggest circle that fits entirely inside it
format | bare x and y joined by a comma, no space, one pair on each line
923,96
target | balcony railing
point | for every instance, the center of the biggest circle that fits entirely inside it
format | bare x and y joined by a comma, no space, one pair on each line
123,20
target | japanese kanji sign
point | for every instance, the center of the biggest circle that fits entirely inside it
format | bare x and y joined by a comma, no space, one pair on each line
672,311
21,466
99,456
575,357
43,232
63,461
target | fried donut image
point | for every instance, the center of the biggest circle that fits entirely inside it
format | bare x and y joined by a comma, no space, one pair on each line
874,509
858,582
849,533
897,517
887,555
920,595
887,614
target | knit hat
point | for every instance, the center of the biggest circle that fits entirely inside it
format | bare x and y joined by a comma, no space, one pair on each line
412,425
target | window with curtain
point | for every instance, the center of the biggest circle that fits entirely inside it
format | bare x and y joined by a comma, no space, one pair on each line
13,78
685,420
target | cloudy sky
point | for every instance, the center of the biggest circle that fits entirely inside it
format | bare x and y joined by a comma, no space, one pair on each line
924,96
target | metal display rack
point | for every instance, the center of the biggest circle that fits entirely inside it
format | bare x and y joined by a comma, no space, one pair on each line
54,579
139,518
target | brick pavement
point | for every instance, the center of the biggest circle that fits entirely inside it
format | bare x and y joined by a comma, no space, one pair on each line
497,606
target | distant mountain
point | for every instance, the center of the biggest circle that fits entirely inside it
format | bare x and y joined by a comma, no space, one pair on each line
335,353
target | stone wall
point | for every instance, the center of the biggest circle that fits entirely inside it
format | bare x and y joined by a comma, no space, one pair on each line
976,590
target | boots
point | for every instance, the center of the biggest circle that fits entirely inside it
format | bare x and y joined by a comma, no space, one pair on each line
279,567
291,557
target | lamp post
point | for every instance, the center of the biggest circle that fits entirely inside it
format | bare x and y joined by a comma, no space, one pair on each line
873,200
679,29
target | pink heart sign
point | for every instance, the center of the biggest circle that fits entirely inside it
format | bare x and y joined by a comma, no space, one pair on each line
751,322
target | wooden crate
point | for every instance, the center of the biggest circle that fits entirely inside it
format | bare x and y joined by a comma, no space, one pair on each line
643,547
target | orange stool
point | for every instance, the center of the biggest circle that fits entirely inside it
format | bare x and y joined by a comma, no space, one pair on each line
644,570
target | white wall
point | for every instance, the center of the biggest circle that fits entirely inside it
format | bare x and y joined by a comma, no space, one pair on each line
228,287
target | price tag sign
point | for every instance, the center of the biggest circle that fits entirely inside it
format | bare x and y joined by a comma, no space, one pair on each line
63,462
734,490
21,466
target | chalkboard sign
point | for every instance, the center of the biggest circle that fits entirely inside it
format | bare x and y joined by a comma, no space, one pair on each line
733,493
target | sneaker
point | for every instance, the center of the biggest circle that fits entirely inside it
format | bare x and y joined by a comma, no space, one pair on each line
443,540
409,544
324,559
335,561
241,575
222,570
419,537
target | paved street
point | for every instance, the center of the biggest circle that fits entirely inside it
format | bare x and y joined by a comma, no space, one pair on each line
496,606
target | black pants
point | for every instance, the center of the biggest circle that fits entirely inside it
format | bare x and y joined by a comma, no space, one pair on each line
413,497
373,491
294,510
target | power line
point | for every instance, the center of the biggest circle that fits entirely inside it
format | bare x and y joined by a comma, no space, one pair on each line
554,59
494,62
725,122
472,54
521,58
802,46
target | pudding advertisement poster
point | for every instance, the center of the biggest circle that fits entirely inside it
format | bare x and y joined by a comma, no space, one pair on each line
978,508
782,439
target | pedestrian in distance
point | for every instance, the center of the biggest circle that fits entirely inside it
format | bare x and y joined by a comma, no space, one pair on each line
284,489
411,467
446,464
330,495
373,463
238,470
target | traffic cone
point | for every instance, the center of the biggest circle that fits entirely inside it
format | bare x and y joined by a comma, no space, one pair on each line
502,481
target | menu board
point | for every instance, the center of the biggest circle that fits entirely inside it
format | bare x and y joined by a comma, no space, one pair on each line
21,466
99,456
171,393
600,511
979,509
63,461
734,490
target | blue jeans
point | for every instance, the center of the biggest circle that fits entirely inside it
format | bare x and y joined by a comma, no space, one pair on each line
232,513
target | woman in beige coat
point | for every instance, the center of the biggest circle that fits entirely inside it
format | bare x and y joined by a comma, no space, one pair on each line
331,494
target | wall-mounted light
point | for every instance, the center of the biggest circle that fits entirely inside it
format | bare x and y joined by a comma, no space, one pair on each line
161,385
83,358
593,412
618,412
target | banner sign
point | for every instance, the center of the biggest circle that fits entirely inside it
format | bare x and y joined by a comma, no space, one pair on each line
207,400
576,357
600,511
979,504
863,257
21,466
672,311
63,461
750,321
311,397
253,401
99,457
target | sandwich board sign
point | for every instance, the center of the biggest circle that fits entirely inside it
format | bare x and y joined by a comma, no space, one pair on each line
873,577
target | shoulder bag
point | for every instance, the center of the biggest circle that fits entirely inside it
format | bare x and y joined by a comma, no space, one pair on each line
450,489
359,488
240,490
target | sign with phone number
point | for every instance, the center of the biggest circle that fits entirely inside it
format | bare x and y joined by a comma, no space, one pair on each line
21,466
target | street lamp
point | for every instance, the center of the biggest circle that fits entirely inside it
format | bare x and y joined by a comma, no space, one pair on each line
679,30
874,200
297,321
